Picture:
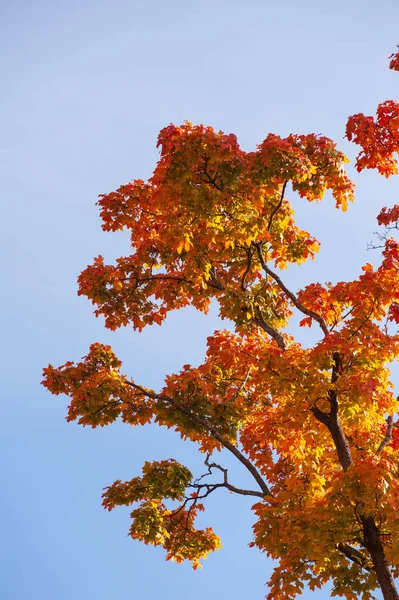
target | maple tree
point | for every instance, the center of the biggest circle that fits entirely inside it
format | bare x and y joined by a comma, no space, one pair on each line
316,427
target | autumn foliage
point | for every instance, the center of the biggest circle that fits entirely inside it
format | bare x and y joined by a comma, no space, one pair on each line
316,427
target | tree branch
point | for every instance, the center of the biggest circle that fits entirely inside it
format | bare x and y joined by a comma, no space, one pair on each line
367,318
355,556
212,430
332,421
388,435
210,487
214,281
211,179
291,296
274,211
249,263
278,338
226,483
241,386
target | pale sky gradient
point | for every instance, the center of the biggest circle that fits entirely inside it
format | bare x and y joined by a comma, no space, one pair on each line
86,87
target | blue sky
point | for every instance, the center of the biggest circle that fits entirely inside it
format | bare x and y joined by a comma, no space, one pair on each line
86,87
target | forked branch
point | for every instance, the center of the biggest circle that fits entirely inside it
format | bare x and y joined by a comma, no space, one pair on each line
212,430
200,485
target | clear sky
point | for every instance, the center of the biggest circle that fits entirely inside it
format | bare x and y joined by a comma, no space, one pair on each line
86,87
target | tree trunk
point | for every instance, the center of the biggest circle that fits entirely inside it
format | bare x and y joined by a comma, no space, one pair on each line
372,542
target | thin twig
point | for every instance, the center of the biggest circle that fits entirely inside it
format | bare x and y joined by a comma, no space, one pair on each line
226,483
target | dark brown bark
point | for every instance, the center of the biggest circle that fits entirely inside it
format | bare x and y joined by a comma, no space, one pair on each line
372,536
331,420
372,542
341,443
355,556
333,424
276,335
